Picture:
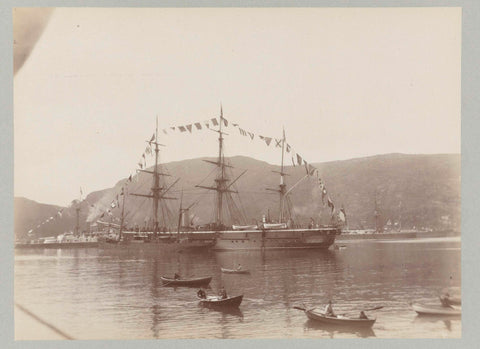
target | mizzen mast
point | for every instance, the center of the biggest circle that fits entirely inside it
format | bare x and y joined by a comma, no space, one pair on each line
282,187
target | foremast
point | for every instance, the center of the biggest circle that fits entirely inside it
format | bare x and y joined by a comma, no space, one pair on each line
157,191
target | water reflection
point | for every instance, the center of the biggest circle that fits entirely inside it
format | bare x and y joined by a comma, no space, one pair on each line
123,293
447,321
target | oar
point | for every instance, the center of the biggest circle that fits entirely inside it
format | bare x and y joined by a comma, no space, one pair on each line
376,308
299,308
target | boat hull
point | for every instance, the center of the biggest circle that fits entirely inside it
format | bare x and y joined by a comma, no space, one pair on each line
378,236
438,310
320,238
216,302
339,321
57,245
185,282
165,243
234,271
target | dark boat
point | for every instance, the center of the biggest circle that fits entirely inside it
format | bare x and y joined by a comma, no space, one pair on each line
219,302
235,271
186,282
340,320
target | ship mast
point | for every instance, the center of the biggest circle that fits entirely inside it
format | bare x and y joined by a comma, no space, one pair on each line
156,188
220,186
282,186
77,225
123,215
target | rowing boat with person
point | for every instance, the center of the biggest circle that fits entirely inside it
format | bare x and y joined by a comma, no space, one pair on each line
203,281
341,320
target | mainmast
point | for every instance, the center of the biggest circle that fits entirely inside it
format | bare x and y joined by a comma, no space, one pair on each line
221,186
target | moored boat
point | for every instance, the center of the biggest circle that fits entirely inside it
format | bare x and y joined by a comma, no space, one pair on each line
219,302
235,271
192,282
436,310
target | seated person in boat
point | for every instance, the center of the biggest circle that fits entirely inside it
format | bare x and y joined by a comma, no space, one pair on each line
222,293
363,315
176,276
239,266
201,294
329,309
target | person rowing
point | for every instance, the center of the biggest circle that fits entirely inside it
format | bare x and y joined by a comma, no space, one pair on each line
201,294
176,276
329,309
239,267
363,315
222,293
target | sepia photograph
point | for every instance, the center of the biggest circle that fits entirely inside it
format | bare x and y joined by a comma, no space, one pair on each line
237,173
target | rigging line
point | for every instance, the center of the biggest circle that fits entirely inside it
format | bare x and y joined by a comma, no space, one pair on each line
203,180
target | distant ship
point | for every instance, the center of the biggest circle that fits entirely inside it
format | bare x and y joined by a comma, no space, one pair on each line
65,240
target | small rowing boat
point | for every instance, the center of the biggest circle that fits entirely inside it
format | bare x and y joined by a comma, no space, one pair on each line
436,310
339,319
186,282
235,271
449,300
219,302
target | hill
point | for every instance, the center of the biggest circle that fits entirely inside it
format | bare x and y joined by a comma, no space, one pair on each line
418,190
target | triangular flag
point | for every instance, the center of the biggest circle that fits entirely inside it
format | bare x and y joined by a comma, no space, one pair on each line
288,148
278,143
268,140
299,159
153,137
165,131
198,126
214,122
189,128
173,128
182,128
225,121
251,135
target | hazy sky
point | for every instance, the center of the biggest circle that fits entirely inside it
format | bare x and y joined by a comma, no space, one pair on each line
343,82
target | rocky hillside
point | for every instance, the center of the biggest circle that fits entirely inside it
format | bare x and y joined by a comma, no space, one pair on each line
417,190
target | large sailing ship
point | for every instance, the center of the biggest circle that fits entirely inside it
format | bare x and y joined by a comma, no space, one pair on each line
159,238
282,234
228,230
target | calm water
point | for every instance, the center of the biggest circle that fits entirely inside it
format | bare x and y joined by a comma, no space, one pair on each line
96,294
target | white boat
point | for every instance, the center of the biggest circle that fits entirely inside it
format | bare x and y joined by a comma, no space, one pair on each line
436,310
